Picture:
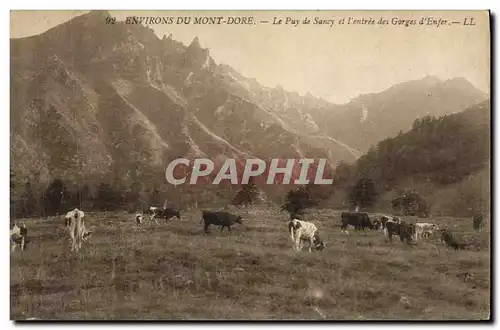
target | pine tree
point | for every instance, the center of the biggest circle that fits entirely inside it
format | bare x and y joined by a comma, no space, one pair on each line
247,194
363,194
54,196
298,200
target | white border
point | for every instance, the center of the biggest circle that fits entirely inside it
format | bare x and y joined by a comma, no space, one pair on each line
190,4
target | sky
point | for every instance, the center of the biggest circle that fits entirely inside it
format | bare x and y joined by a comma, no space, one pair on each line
336,62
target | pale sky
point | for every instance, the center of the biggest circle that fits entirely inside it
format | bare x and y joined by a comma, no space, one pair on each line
336,63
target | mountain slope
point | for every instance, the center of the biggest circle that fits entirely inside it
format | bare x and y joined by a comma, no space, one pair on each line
93,103
371,118
442,156
112,104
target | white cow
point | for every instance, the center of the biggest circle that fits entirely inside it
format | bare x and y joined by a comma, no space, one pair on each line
425,229
138,218
75,223
18,236
153,210
304,231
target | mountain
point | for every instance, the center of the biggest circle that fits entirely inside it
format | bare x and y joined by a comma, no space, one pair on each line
108,106
96,103
370,118
445,159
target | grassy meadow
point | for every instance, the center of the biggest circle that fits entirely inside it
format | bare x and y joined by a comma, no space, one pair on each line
174,271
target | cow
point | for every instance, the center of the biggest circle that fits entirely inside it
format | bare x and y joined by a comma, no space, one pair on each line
477,222
403,230
18,236
223,219
359,220
448,238
386,219
74,221
305,231
166,213
138,218
425,229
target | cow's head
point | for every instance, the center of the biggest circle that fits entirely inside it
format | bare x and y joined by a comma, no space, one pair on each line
239,219
86,235
318,242
15,230
367,222
320,246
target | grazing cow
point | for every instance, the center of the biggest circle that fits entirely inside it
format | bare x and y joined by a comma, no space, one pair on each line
448,238
75,223
403,230
223,219
166,213
379,223
305,231
386,219
138,218
359,220
18,236
425,229
478,221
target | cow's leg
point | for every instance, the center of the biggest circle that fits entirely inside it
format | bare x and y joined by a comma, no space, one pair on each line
221,228
206,227
229,228
311,240
301,244
296,244
72,238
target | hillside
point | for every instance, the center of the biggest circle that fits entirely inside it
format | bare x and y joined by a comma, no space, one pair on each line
371,118
112,104
106,107
445,159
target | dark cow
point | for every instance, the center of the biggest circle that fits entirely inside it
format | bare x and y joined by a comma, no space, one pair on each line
403,230
223,219
449,240
477,221
166,213
359,220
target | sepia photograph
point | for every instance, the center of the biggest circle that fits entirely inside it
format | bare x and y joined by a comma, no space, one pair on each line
254,165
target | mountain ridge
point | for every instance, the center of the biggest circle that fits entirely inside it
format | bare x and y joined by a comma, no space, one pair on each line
115,103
